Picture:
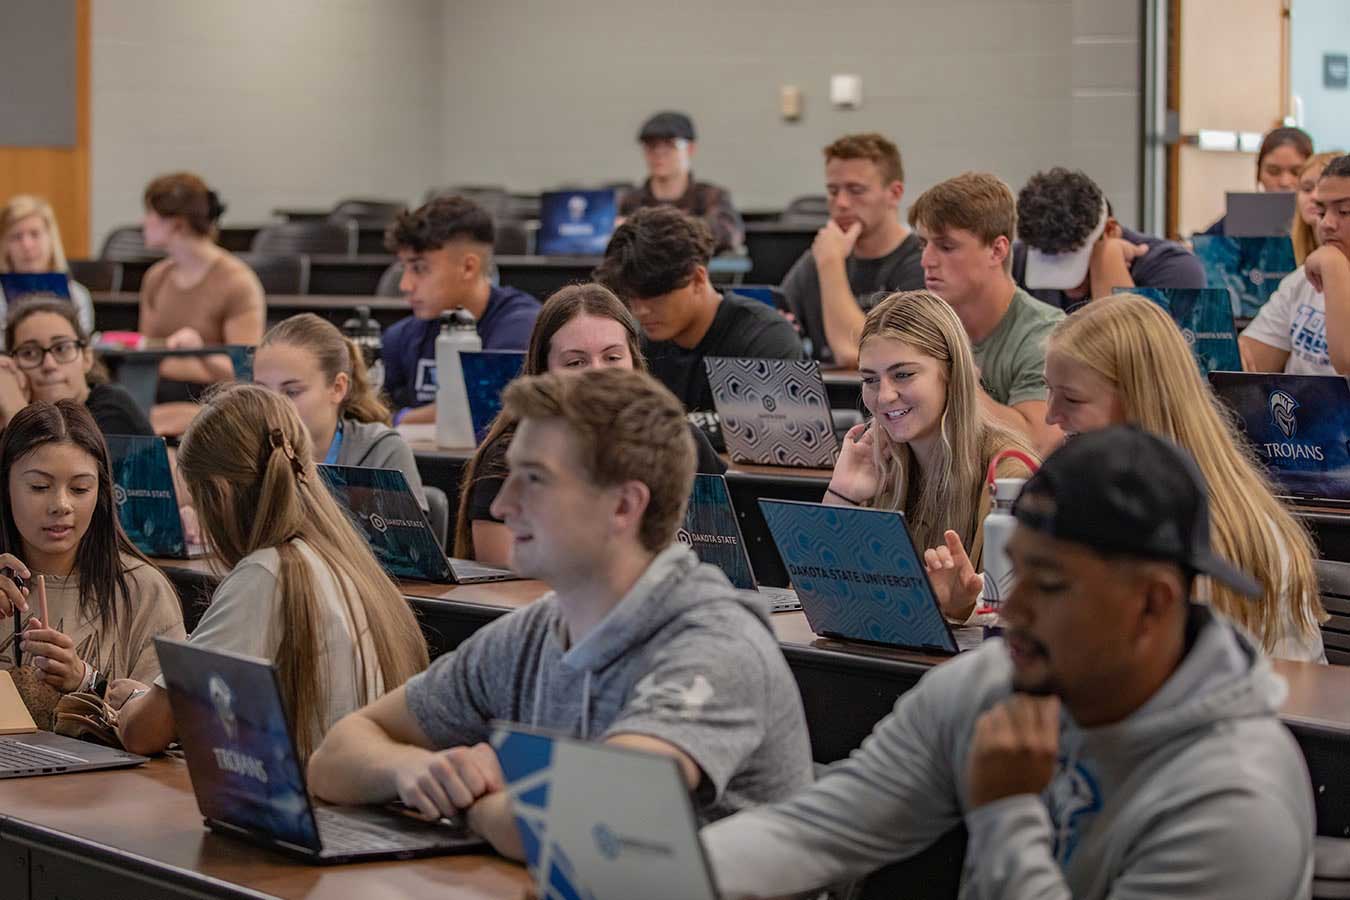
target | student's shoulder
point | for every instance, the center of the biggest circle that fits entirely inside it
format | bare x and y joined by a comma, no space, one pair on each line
146,578
237,274
406,328
1035,313
155,275
513,300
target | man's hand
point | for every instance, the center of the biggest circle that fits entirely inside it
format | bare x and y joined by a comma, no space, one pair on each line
445,782
833,244
1320,262
1014,749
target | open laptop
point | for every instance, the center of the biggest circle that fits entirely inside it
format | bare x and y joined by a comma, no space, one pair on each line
1250,268
25,751
711,530
486,375
575,223
383,508
16,285
858,575
773,412
1259,213
146,499
600,822
250,781
1205,317
1299,426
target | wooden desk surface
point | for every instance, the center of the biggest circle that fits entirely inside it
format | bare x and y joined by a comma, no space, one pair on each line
150,813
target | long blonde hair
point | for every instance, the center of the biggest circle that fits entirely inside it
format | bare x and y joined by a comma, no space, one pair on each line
1132,343
335,354
20,207
246,461
1301,233
950,496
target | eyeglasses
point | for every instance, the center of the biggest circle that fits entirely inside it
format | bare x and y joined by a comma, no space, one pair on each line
30,356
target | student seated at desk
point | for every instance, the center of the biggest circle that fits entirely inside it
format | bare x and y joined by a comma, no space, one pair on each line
30,242
1119,741
1284,151
657,263
967,226
54,361
863,253
581,327
1123,360
303,588
1303,233
311,363
445,247
1304,328
639,644
927,449
199,295
105,601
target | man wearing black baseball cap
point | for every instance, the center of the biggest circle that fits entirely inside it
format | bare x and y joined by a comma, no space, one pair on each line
668,143
1121,741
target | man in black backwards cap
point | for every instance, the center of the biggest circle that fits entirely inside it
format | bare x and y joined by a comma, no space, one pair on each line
668,144
1120,741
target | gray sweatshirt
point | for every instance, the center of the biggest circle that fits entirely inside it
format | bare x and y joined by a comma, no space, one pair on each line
683,657
1201,792
375,445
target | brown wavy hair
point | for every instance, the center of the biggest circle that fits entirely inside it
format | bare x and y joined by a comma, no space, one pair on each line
336,354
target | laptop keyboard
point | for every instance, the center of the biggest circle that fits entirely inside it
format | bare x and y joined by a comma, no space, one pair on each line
342,833
16,756
781,599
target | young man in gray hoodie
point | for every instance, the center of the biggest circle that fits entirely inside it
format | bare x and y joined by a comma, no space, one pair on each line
1120,741
638,645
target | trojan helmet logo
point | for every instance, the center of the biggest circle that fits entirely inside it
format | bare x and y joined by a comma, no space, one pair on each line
119,494
1282,407
576,207
223,700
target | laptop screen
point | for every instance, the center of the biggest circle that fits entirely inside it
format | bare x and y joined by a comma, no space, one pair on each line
147,504
1299,426
384,509
17,285
857,574
244,768
710,528
486,375
575,223
1259,213
773,411
1250,267
1205,317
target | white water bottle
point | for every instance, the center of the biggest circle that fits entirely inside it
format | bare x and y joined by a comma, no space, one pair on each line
998,527
459,332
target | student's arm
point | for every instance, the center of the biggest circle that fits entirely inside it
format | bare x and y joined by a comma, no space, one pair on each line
376,754
144,716
245,319
1328,270
841,316
724,221
1258,356
1109,266
13,390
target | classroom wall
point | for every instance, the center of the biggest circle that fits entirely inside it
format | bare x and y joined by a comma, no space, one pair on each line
1318,27
542,93
291,103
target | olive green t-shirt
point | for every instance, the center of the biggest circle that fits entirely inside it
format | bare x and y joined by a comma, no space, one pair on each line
1012,357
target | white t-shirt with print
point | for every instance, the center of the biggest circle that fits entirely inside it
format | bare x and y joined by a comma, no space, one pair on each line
1294,320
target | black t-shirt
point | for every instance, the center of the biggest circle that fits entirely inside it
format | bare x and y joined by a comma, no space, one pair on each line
742,327
493,462
116,412
868,279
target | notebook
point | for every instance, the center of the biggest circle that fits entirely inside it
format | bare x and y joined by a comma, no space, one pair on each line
711,531
1205,317
145,496
486,375
858,575
383,508
1250,268
1299,426
250,781
773,412
600,822
575,223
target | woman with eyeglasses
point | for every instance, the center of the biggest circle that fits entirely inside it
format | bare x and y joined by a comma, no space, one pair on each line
50,359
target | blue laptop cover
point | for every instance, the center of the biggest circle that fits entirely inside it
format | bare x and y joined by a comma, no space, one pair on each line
710,528
228,714
1205,317
857,574
17,285
764,293
486,375
1299,426
575,223
384,509
1249,267
147,504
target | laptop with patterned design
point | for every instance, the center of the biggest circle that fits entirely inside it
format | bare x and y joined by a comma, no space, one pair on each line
774,412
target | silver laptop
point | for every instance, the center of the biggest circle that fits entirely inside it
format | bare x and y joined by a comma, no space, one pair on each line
710,529
44,753
773,412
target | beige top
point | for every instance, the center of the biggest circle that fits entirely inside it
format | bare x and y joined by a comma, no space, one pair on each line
155,612
227,290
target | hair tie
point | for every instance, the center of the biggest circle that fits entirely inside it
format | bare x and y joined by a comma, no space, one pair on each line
278,440
214,208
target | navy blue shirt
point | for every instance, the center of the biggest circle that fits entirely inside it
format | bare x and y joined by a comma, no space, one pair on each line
409,347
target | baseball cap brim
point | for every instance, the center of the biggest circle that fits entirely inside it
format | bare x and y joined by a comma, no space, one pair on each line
1062,271
1227,574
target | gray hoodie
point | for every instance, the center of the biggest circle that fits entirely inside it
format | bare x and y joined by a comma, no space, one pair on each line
375,445
1201,792
683,657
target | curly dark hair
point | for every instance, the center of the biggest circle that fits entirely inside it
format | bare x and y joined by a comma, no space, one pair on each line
1057,210
1337,168
655,252
435,224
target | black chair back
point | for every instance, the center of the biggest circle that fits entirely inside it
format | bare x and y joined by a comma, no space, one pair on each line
309,238
279,274
127,242
99,275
